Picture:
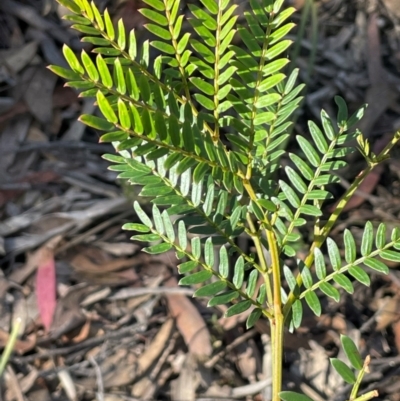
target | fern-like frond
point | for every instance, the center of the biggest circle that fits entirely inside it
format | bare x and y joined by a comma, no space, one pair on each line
221,290
336,274
304,191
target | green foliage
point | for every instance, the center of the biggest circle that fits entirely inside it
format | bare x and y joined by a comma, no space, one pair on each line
201,128
329,283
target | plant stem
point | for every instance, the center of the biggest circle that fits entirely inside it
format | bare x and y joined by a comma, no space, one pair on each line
367,396
277,322
261,257
12,339
360,376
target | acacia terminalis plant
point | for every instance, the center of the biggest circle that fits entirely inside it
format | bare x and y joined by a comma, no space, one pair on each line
200,129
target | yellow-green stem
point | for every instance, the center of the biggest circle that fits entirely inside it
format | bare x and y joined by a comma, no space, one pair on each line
360,376
261,257
367,396
12,339
277,322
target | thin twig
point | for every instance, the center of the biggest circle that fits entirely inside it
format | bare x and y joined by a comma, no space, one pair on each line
90,343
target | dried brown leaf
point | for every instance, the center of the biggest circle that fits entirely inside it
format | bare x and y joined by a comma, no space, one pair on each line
41,86
17,59
388,312
190,323
156,347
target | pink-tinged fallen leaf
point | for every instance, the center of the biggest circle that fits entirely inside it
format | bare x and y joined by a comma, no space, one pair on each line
46,288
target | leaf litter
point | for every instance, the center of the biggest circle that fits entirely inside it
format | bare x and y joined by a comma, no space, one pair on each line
100,320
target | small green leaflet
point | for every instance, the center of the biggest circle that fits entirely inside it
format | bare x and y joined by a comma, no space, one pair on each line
351,352
240,307
196,278
313,302
292,396
210,290
156,249
343,370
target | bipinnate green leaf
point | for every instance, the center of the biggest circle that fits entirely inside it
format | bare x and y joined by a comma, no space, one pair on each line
223,262
123,115
290,279
344,282
210,290
238,308
70,5
290,194
146,237
351,352
344,371
64,73
188,266
334,254
329,290
196,278
156,4
136,227
154,16
367,239
380,239
390,255
302,166
376,265
96,123
104,72
297,313
169,229
209,200
72,60
310,210
313,302
211,5
306,276
292,396
196,247
121,34
295,179
109,25
223,298
360,275
157,249
349,247
142,215
106,108
318,137
310,153
252,283
238,275
357,116
342,112
253,318
319,262
209,252
119,77
89,67
327,124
